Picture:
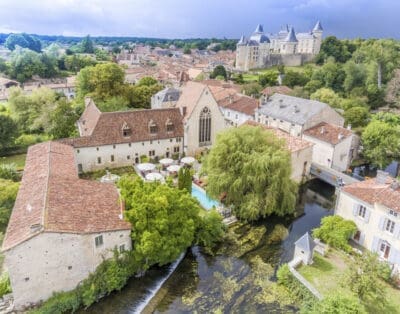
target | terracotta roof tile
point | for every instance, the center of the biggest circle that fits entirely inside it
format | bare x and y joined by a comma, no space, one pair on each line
52,198
270,90
293,143
240,103
329,133
371,192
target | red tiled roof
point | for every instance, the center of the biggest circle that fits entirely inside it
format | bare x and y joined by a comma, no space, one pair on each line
108,127
52,198
270,90
329,133
240,103
293,143
371,192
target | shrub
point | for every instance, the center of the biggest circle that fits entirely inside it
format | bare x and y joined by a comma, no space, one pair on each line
26,140
144,158
336,231
5,286
211,230
385,271
9,172
61,302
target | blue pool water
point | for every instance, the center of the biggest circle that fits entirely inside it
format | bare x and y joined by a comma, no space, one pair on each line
204,200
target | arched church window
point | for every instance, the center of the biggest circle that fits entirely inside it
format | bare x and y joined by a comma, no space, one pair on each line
205,127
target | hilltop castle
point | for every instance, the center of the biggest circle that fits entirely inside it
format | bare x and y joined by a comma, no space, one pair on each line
286,47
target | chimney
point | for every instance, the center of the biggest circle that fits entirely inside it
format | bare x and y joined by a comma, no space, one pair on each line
322,130
182,110
381,177
395,185
230,99
340,136
349,127
88,101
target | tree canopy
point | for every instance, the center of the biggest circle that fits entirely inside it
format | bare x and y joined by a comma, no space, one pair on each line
252,167
8,131
24,41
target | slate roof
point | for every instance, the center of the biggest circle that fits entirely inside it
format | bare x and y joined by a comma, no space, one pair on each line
328,133
293,109
108,127
306,243
168,94
372,191
318,27
291,36
259,29
52,198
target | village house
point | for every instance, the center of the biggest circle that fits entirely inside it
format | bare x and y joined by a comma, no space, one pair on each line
202,117
374,205
238,109
300,151
294,114
334,146
61,227
166,98
117,139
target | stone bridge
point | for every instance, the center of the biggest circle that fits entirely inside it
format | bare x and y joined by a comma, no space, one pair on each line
331,176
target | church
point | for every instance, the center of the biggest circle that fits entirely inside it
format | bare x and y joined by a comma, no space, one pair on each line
286,47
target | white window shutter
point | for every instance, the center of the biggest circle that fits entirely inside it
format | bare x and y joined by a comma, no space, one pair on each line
396,232
393,255
375,243
367,214
381,222
355,209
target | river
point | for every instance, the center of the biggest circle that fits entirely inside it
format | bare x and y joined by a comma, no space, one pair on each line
221,283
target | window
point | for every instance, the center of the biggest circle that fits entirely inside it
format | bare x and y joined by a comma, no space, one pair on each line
384,250
142,143
176,149
170,140
178,139
77,151
170,126
389,227
393,213
128,157
99,160
122,248
357,236
152,153
97,148
98,241
130,144
112,158
361,211
205,127
114,146
153,127
151,142
126,133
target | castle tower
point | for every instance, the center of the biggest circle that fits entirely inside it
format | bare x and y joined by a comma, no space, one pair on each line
289,44
241,54
317,32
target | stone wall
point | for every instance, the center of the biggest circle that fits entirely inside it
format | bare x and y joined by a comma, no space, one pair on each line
288,60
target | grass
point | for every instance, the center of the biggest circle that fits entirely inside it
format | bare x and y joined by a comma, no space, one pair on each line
326,275
18,160
248,77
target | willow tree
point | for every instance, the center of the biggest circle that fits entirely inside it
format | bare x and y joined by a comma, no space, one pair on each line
252,168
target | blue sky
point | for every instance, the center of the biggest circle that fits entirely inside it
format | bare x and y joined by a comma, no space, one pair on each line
198,18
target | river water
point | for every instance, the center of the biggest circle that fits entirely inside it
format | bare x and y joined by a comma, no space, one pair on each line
222,283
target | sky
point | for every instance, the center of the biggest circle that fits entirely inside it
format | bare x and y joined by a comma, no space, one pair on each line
199,18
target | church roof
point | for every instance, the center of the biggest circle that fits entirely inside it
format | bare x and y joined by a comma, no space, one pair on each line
291,37
306,242
318,27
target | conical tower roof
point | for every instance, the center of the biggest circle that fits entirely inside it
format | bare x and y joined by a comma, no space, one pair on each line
291,37
318,27
242,40
259,29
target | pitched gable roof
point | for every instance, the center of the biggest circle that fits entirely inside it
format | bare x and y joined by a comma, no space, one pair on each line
52,198
306,242
328,133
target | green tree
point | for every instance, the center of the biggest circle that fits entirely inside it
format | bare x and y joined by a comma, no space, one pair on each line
8,132
219,70
24,41
101,81
187,50
210,230
327,96
381,143
76,62
164,220
336,231
362,278
331,74
251,89
253,168
337,304
333,47
9,172
24,63
357,116
86,45
62,120
268,78
8,194
185,179
294,78
355,75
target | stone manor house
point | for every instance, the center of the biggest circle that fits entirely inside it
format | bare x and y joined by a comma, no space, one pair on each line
287,48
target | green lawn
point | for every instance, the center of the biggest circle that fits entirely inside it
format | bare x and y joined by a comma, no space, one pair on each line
249,77
326,274
18,160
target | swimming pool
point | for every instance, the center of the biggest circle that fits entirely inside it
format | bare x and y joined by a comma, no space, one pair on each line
204,200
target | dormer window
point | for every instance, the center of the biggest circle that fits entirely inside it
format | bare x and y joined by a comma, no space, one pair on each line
126,130
169,126
153,127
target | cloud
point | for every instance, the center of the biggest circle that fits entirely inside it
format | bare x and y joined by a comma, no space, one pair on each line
198,18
